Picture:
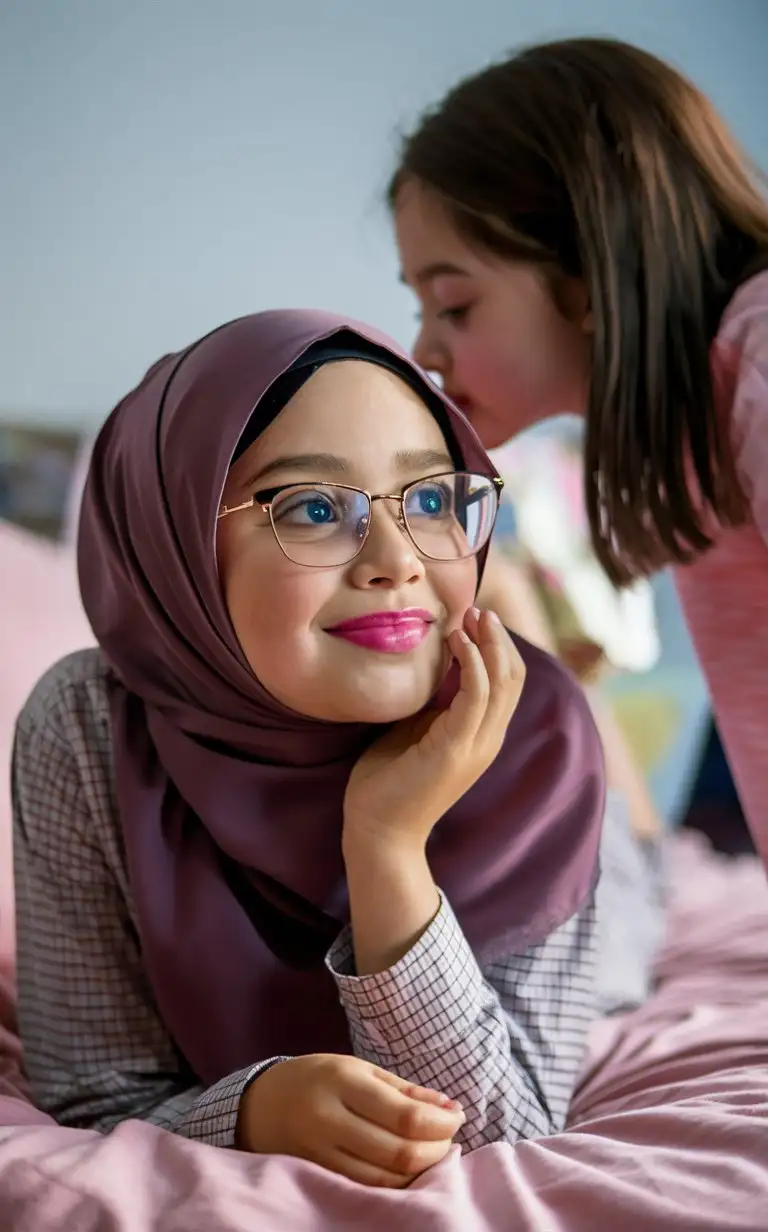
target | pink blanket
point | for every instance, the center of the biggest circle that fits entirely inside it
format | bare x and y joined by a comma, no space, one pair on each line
670,1124
669,1127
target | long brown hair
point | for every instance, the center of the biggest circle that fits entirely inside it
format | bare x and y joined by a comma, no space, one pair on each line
598,160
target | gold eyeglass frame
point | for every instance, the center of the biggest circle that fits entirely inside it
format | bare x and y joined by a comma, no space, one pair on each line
266,507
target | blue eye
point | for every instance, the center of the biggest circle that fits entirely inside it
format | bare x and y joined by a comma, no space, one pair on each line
430,500
306,508
318,511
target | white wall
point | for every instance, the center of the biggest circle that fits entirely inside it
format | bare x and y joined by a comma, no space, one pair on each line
168,164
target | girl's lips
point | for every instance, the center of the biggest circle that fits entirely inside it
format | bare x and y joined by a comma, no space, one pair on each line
461,401
387,632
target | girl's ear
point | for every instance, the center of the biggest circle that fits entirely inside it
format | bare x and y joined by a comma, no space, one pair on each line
572,298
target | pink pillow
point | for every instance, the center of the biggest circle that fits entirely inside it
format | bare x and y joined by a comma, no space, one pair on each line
41,619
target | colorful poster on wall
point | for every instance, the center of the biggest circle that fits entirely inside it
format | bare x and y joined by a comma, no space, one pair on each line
36,470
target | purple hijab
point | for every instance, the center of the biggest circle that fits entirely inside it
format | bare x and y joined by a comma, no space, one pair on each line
230,804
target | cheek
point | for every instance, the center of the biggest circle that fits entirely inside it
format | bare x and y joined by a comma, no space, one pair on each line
496,380
494,370
520,371
455,586
489,364
272,611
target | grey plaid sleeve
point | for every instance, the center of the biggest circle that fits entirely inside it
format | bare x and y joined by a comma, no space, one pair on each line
95,1049
506,1041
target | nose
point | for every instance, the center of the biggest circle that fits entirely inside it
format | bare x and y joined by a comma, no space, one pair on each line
429,354
388,559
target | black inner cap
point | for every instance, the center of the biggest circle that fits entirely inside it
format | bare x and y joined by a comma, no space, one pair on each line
343,345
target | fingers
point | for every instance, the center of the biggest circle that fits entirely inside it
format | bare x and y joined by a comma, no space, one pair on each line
491,681
336,1158
378,1148
383,1131
472,619
365,1173
506,674
394,1127
425,1095
386,1101
467,710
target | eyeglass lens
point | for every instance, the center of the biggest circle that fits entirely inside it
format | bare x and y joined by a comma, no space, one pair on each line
448,517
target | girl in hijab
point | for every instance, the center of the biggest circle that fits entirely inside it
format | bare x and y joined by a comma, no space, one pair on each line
306,850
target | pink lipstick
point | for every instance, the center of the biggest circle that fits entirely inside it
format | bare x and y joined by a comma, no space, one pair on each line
388,632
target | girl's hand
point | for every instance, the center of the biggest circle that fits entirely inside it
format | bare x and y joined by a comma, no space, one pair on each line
405,782
348,1116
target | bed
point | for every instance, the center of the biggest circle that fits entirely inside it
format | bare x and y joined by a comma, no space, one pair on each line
668,1129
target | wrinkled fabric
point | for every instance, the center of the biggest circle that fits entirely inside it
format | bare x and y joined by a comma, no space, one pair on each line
669,1133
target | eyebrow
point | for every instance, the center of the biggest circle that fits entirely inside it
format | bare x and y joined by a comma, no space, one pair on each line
437,269
329,463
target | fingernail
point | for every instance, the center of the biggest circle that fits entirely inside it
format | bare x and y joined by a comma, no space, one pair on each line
452,1105
475,612
463,637
492,616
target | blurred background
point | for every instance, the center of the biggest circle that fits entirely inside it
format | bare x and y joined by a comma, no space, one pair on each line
169,165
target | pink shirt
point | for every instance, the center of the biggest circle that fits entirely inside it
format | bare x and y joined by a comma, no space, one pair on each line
725,592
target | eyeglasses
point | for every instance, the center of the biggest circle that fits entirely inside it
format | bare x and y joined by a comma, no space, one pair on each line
446,517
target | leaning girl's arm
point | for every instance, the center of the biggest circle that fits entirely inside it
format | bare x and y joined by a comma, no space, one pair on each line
95,1049
740,367
740,372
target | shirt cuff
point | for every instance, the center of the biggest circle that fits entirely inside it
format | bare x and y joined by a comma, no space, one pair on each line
214,1117
427,1000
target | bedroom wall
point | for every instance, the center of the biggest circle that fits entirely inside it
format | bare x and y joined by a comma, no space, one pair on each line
169,164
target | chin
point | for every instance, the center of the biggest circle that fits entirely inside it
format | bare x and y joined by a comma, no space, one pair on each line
390,695
377,708
493,430
375,689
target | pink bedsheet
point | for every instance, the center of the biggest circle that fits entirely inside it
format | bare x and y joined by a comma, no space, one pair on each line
670,1124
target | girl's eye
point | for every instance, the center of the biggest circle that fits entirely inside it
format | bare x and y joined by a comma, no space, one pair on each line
306,508
457,314
429,500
